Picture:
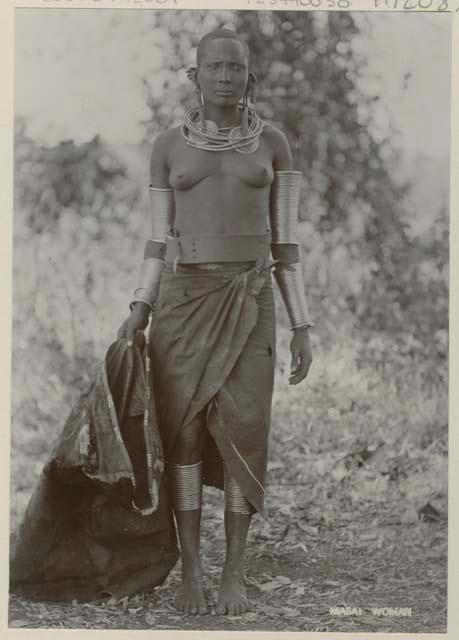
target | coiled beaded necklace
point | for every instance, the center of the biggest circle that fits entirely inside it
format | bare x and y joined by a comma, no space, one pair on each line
210,138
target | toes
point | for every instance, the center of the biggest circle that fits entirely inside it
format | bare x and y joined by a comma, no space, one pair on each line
237,608
232,608
191,608
191,604
220,609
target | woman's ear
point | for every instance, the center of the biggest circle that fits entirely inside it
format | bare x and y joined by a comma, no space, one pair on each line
192,74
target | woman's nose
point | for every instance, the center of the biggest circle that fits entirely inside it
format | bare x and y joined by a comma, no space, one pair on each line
225,75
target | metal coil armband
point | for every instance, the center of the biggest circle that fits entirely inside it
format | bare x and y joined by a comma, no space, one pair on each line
148,287
283,206
162,209
290,281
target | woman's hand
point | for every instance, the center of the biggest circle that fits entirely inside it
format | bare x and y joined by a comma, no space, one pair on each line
300,348
137,321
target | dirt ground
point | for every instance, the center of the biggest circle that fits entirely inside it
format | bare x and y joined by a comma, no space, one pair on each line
357,503
298,567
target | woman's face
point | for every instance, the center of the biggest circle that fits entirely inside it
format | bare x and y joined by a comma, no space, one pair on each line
223,72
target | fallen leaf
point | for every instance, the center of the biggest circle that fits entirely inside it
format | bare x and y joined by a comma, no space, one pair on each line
251,616
428,513
255,583
150,618
271,612
410,515
312,531
20,623
270,586
332,583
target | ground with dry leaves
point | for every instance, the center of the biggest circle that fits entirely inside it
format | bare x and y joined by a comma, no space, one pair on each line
357,506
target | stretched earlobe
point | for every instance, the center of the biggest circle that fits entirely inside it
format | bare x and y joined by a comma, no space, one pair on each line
249,94
251,83
192,74
200,106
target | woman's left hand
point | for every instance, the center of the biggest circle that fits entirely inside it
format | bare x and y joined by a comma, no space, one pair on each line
300,348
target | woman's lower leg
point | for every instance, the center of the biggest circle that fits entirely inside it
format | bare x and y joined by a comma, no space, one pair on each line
238,512
185,474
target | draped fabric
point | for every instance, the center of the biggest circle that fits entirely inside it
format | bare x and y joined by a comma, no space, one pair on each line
213,350
99,521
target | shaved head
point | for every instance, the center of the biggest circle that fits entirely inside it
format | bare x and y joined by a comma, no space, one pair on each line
219,34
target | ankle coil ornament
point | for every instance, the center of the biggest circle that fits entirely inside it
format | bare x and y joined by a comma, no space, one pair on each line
235,501
283,206
186,486
290,281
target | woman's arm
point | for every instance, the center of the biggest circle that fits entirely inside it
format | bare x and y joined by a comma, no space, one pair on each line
161,196
282,161
285,249
162,211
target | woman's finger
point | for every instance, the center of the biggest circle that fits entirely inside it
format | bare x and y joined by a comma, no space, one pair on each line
294,373
295,362
130,334
302,370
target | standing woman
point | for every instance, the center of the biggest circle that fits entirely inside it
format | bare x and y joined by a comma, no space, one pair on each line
223,197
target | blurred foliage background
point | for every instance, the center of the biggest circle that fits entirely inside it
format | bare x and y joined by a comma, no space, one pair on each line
373,228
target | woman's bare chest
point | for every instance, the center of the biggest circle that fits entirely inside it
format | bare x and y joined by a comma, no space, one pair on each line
189,167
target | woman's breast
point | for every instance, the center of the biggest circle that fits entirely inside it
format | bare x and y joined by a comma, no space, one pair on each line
247,170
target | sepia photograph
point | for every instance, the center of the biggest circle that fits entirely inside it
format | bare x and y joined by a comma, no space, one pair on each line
229,405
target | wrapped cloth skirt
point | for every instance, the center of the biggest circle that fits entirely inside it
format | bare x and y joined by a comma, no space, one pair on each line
212,342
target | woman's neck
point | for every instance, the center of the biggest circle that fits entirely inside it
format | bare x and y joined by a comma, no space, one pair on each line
223,117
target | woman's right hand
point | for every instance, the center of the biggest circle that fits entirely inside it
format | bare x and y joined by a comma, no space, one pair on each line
137,321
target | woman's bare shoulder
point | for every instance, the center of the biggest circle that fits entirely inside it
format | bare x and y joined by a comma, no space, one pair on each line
160,157
165,139
277,141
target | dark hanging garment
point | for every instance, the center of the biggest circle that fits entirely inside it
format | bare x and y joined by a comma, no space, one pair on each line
100,521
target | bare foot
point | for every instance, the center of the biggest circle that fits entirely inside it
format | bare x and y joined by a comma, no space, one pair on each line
233,596
190,597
